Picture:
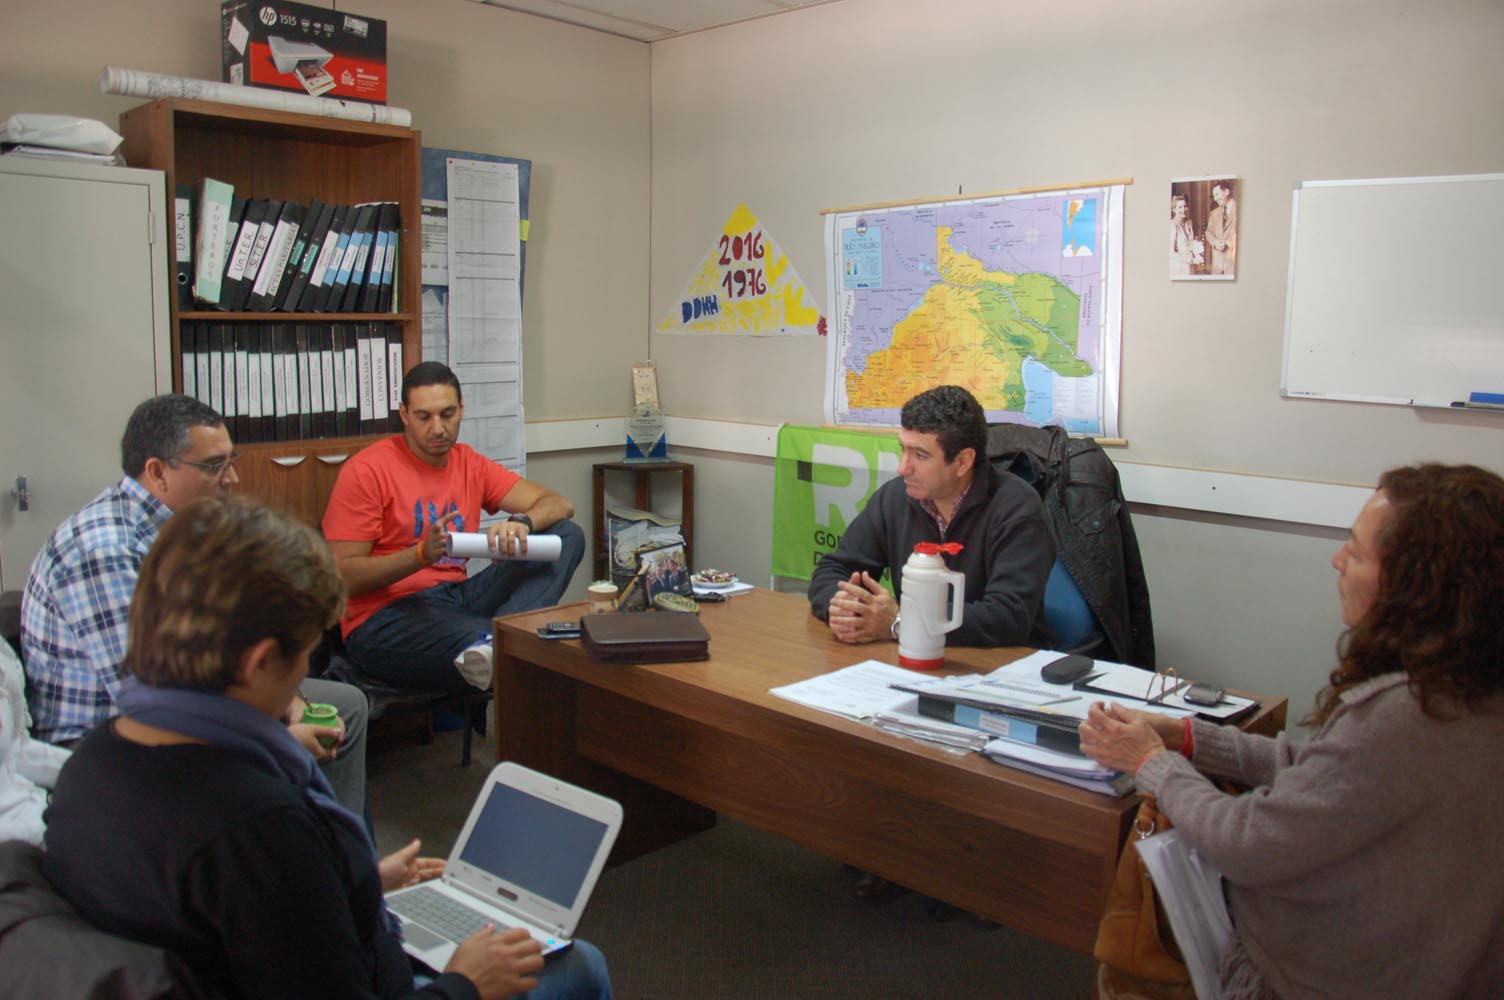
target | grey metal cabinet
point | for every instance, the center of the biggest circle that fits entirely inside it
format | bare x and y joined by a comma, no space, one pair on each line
85,275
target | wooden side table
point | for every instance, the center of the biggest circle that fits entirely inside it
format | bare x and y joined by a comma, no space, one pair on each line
643,471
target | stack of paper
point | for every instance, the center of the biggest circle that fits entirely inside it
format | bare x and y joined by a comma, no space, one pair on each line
905,720
856,692
1072,769
1190,888
865,692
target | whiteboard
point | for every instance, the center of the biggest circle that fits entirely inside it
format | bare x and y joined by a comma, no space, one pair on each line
1396,290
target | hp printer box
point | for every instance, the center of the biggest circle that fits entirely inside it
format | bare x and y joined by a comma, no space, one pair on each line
307,50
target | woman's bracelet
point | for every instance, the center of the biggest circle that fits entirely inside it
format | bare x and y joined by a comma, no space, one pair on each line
423,559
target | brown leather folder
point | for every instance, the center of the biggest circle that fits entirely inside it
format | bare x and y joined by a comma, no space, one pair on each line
645,637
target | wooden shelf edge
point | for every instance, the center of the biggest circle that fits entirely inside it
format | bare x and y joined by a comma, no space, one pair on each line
357,440
253,117
291,317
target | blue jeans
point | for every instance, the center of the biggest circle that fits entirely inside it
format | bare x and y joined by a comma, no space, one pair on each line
578,974
413,641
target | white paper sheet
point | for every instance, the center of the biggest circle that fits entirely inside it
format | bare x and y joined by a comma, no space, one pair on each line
483,269
856,692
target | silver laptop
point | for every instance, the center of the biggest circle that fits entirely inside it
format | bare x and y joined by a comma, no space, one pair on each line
529,856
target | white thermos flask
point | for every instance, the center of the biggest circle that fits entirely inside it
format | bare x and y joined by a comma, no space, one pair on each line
928,588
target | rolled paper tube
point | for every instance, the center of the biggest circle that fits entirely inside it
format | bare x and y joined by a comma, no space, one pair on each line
135,83
475,545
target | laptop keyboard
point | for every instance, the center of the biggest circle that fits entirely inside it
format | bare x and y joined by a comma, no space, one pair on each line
438,912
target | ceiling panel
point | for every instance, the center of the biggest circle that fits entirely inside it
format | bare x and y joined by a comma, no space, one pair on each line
653,20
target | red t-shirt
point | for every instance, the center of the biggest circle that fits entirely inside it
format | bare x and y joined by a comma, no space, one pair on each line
387,496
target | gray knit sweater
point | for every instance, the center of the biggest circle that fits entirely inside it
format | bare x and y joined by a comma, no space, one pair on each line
1366,862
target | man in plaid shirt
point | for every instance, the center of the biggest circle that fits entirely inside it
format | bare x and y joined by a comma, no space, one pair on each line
76,605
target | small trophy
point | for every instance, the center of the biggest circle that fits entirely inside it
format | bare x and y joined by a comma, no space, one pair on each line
646,441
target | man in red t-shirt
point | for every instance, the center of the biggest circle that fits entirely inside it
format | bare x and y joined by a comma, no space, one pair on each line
414,619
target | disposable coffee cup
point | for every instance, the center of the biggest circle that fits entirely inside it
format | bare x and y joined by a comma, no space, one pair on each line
602,597
319,714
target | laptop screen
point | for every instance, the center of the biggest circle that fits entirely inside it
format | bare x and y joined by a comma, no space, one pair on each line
533,843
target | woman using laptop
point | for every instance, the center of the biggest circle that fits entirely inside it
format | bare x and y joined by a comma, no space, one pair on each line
1366,861
196,823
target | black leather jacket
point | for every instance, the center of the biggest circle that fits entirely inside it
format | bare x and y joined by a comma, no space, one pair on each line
1093,533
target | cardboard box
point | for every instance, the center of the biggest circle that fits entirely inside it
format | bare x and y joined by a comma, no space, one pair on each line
307,50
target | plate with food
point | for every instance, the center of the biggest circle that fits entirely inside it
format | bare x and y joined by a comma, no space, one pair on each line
714,579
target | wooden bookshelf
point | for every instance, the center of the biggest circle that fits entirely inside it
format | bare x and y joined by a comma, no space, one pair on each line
276,154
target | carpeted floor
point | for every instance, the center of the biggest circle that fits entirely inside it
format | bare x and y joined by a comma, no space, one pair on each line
737,913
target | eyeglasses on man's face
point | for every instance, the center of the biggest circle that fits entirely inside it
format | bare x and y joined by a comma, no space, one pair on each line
216,468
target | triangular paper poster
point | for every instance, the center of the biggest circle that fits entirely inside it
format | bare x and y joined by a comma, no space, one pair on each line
745,285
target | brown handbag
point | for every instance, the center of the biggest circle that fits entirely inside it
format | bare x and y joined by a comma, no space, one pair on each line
1134,935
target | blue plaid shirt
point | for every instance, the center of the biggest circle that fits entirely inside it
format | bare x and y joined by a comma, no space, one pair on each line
75,608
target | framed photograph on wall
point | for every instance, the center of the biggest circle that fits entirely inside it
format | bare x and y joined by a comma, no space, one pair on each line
666,571
1204,228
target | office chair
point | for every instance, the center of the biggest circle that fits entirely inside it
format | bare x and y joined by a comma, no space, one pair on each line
1095,544
331,661
1069,617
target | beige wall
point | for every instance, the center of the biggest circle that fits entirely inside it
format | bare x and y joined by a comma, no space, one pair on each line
873,100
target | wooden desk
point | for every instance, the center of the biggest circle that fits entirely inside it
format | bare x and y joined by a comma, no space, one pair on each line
672,742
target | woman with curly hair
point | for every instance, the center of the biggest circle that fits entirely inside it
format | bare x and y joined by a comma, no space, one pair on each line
1366,861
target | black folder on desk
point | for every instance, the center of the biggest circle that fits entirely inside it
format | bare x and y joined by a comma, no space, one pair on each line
1036,716
1006,723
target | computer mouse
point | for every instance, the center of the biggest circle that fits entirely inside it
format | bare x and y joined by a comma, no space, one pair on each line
1069,668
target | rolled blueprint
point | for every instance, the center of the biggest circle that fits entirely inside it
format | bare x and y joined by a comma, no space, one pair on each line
135,83
473,545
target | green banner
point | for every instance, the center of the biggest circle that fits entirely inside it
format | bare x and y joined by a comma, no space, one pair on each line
822,479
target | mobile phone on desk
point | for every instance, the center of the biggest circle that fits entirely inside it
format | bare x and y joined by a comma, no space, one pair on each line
1205,695
560,630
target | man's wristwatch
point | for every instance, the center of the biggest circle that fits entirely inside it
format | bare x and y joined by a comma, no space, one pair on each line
893,629
522,519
